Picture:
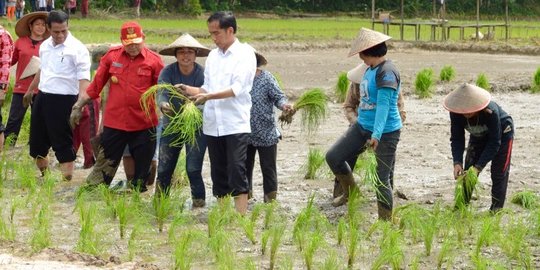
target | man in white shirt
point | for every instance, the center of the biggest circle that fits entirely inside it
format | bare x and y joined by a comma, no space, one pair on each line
64,73
228,78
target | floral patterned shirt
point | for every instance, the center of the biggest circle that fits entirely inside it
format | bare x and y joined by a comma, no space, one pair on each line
265,94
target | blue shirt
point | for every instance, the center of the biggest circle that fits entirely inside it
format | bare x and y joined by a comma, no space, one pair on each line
379,91
171,75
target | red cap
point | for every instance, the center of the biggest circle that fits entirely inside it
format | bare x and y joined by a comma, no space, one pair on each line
131,33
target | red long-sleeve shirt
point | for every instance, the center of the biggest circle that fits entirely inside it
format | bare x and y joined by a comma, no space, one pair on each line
6,50
23,52
130,78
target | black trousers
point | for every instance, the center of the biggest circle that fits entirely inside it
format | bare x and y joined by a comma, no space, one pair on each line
15,118
228,164
267,160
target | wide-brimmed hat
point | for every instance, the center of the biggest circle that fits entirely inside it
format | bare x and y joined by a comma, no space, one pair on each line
185,41
32,67
261,60
131,33
356,74
467,98
22,27
366,39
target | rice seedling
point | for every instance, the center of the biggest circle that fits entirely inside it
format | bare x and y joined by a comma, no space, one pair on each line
132,241
515,242
331,262
411,219
341,87
269,212
488,231
465,186
447,74
424,83
313,242
429,228
185,122
27,178
16,202
527,198
108,197
313,105
483,82
163,208
391,247
315,161
276,232
220,216
371,178
286,263
480,263
341,227
182,247
41,237
220,245
265,236
89,238
535,86
352,245
249,264
180,177
7,231
446,253
415,264
123,211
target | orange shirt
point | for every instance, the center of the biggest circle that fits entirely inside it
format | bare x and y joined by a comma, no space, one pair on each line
130,78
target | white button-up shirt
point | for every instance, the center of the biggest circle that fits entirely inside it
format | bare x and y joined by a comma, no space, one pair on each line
233,69
63,65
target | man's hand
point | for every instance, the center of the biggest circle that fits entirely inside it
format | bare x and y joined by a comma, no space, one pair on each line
458,170
200,98
373,143
27,99
166,108
181,88
76,114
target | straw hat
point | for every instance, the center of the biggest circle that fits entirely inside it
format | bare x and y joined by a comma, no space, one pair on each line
261,60
467,98
22,28
366,39
185,40
32,67
356,74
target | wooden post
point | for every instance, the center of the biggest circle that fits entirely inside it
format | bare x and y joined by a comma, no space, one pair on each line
506,21
401,28
477,19
443,16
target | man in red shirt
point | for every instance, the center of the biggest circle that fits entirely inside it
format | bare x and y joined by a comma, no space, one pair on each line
131,68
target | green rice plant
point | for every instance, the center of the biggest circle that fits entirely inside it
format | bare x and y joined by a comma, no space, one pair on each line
185,122
483,82
447,74
424,83
341,87
527,198
180,219
182,247
303,222
465,184
265,236
446,253
180,177
353,215
123,211
269,213
26,177
331,262
163,208
41,236
480,262
391,247
7,231
220,245
429,229
488,231
47,187
353,240
313,105
341,227
371,178
411,219
220,216
516,241
108,197
415,264
132,245
313,242
315,160
286,263
276,232
250,223
249,264
16,202
535,86
89,238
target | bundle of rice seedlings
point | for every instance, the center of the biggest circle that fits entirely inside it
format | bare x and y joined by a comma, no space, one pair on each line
185,122
447,74
482,81
341,87
466,184
535,87
424,83
313,105
315,161
528,199
371,178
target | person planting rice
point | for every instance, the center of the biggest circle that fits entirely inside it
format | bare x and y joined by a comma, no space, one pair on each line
185,70
491,132
131,68
378,124
265,94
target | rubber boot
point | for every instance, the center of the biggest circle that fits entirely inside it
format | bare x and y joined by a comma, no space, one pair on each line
347,184
338,191
384,213
270,197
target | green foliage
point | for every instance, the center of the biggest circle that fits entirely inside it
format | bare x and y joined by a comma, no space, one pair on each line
192,8
535,87
527,198
41,236
447,74
424,83
483,82
89,238
465,186
163,207
341,87
391,248
276,232
315,160
313,106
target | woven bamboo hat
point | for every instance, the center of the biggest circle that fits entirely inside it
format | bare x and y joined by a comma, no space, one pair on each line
366,39
32,67
22,28
261,60
185,40
356,74
467,98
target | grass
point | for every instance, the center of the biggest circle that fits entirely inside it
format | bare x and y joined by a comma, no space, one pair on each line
391,251
89,237
277,235
341,87
41,236
123,212
448,73
423,84
535,86
483,82
315,161
163,208
527,198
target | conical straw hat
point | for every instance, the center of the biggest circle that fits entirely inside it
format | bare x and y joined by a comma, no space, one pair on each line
467,98
185,40
356,74
32,67
261,60
366,39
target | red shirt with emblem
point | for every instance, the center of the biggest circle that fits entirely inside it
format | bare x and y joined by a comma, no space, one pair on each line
130,78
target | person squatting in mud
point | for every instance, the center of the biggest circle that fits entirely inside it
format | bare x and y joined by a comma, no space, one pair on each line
378,124
132,68
491,132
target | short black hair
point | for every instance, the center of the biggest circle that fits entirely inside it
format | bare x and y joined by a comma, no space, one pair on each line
57,16
226,19
378,50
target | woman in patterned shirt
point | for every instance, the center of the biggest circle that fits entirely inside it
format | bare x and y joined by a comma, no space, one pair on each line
264,137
